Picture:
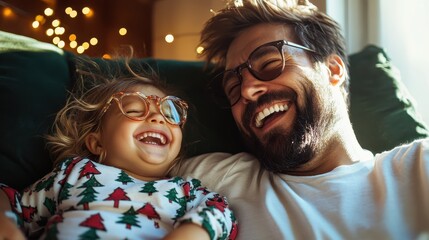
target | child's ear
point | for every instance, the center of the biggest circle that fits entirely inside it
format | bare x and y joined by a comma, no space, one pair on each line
337,70
92,142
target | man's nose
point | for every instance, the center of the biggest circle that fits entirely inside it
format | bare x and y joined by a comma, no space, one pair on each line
251,87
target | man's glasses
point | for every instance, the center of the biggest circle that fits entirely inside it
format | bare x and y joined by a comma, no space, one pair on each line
265,63
136,106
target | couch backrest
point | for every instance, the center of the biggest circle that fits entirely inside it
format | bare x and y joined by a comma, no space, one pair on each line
35,77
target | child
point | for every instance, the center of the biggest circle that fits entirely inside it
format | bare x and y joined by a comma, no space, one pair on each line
120,139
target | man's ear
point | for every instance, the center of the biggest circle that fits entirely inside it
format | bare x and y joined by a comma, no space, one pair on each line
92,142
337,70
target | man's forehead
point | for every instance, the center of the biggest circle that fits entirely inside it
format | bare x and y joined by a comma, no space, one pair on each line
251,38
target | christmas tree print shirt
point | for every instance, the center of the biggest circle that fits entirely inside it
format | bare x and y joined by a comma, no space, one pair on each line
82,199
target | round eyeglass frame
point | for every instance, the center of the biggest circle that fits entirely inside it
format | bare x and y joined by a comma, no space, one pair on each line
147,100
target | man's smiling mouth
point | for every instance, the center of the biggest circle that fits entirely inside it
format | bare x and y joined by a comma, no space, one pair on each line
152,138
266,112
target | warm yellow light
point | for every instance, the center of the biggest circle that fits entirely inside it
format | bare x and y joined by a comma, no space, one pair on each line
7,12
61,44
169,38
35,24
85,45
49,31
56,23
122,31
87,11
59,30
68,10
40,19
93,41
72,37
107,56
73,44
80,49
56,40
49,11
73,14
200,49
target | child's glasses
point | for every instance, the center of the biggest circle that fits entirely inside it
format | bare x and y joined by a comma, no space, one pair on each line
136,106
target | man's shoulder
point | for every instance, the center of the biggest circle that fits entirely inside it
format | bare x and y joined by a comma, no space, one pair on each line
212,167
417,151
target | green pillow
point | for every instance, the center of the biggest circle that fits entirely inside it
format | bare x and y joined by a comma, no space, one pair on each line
382,111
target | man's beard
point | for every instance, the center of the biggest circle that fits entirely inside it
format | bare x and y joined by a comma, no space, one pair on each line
285,151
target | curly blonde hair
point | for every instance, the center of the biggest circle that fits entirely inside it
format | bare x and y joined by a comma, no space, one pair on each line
82,113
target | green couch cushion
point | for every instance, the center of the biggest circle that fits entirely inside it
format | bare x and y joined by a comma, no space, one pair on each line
382,110
33,81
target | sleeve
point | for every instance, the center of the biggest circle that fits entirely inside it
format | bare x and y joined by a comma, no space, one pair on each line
14,198
40,200
209,210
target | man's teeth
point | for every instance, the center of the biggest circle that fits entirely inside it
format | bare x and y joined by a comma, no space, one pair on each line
268,111
161,138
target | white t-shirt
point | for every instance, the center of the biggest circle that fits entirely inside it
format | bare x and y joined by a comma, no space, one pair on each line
385,196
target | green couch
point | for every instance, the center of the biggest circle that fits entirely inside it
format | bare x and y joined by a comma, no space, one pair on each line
35,77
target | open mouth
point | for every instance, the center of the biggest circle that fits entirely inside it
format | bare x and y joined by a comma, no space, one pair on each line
153,138
268,112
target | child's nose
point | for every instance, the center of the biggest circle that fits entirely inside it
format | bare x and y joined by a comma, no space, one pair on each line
155,115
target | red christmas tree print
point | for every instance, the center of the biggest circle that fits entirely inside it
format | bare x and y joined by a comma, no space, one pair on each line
28,213
118,195
218,202
187,189
149,211
94,221
69,168
234,232
11,194
88,169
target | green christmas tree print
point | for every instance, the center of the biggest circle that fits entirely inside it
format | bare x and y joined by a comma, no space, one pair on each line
129,218
171,195
64,193
89,193
182,210
52,227
94,223
89,235
206,224
149,188
124,178
176,180
45,184
50,205
196,183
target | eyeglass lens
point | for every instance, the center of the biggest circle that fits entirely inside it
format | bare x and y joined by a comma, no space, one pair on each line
137,107
265,63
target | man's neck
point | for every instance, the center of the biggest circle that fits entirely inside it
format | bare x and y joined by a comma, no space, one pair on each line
341,148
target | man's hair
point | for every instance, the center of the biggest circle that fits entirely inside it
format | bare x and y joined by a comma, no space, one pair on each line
312,28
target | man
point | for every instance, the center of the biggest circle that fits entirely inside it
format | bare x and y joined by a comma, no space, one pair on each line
286,80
